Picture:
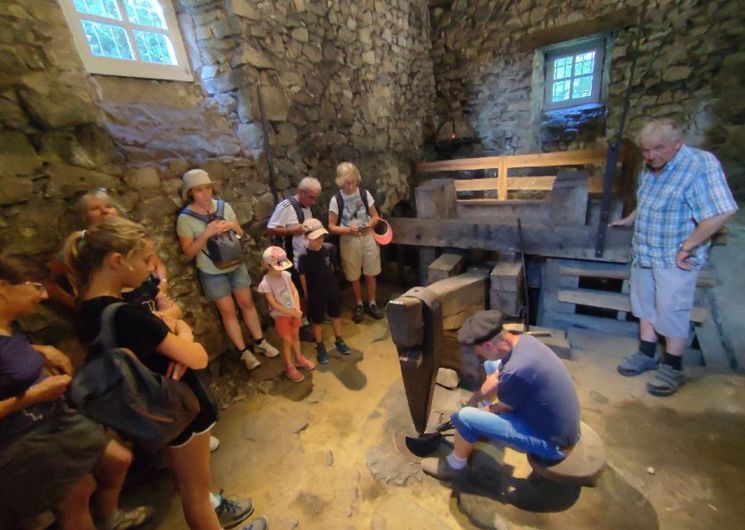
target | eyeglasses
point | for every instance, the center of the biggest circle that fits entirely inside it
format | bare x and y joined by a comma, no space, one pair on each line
36,285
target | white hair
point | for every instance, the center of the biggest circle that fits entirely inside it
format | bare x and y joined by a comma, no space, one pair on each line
666,127
309,184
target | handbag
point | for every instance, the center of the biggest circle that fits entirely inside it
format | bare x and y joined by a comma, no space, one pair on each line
114,388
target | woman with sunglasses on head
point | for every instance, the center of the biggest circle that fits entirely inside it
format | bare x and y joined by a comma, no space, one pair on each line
51,457
94,207
103,262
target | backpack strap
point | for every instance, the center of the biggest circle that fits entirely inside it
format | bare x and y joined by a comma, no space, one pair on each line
298,209
107,335
220,212
363,197
191,213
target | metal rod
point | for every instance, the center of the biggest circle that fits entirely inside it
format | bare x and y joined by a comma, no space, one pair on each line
267,146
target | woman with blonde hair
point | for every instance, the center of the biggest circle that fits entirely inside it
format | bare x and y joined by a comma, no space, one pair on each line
352,216
104,261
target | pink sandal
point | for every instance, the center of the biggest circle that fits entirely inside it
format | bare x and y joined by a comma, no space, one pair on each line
293,375
304,362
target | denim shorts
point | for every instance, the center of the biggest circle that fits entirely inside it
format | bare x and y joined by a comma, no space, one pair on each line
217,286
664,297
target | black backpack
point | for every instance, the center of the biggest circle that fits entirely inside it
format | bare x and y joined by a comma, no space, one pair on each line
300,218
115,389
224,250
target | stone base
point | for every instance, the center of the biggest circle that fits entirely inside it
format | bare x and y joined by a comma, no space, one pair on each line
582,467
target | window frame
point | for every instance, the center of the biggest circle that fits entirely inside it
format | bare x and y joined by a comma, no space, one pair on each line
574,48
126,67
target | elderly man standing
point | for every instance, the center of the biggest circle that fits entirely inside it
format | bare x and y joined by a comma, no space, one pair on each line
287,222
682,200
537,411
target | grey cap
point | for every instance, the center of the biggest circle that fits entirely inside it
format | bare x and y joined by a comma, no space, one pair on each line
481,327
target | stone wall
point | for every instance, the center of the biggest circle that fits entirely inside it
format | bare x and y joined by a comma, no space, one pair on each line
486,55
348,80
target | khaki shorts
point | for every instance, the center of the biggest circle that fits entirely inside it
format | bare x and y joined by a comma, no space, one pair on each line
359,255
664,297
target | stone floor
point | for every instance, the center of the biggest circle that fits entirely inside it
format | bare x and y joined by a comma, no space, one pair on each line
327,453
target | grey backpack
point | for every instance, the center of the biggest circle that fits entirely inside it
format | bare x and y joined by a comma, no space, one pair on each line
224,250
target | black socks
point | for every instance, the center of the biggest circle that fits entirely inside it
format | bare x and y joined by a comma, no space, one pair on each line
647,348
674,361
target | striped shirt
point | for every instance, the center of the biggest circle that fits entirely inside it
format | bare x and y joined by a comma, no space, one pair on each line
690,188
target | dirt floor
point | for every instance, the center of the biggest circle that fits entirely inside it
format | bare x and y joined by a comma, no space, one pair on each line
327,453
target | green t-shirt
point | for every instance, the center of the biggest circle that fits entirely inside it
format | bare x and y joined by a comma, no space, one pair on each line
187,226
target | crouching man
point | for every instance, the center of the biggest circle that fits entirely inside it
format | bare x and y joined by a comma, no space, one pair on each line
536,409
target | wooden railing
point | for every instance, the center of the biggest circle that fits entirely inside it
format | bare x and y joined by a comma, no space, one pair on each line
502,165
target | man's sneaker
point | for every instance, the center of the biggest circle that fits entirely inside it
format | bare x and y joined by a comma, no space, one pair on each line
322,354
439,468
214,444
293,375
267,349
374,311
129,518
341,347
232,512
249,360
304,362
262,523
637,363
666,381
358,313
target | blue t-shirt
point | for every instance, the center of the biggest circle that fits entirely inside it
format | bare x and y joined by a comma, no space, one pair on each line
537,386
20,368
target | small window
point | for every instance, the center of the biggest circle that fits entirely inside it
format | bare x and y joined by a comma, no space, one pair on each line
573,74
132,38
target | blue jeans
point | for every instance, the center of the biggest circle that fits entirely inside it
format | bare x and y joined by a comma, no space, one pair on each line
507,428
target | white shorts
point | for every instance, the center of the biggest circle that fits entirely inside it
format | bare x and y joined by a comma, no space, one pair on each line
359,255
664,297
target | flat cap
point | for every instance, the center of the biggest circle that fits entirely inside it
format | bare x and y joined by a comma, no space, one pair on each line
481,327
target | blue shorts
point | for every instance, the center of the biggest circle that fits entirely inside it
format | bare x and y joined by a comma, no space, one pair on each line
217,286
664,297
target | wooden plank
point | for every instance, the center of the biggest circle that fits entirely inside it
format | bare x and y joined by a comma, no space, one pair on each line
445,266
435,199
490,183
543,183
502,176
561,158
462,164
706,277
614,301
576,242
461,292
569,198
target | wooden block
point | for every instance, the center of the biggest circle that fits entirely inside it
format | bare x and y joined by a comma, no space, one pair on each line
460,292
435,199
445,266
569,198
455,321
426,257
509,303
507,276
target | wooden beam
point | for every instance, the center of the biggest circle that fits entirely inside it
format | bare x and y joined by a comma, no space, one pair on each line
706,278
552,241
560,158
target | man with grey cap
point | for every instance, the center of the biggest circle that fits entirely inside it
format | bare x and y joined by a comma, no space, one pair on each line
536,410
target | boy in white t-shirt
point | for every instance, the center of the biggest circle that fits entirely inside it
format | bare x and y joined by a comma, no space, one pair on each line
284,303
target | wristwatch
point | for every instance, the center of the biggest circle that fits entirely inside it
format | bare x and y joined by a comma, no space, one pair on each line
682,247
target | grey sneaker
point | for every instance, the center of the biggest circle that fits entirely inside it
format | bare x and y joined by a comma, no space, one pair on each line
439,468
637,363
358,313
261,523
666,381
267,349
129,518
374,311
232,512
249,360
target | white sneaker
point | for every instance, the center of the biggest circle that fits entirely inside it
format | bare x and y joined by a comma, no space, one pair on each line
267,349
214,444
249,360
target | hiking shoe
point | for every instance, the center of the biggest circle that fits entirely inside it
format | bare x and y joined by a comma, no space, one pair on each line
129,518
440,469
341,347
249,360
322,355
262,523
232,512
293,375
304,362
214,444
637,363
666,381
267,349
306,334
374,311
358,313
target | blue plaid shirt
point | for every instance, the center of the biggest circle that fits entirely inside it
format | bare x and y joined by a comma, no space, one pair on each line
690,188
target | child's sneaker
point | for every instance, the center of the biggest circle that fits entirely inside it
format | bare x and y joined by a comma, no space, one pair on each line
323,356
266,348
293,375
341,347
249,360
304,362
